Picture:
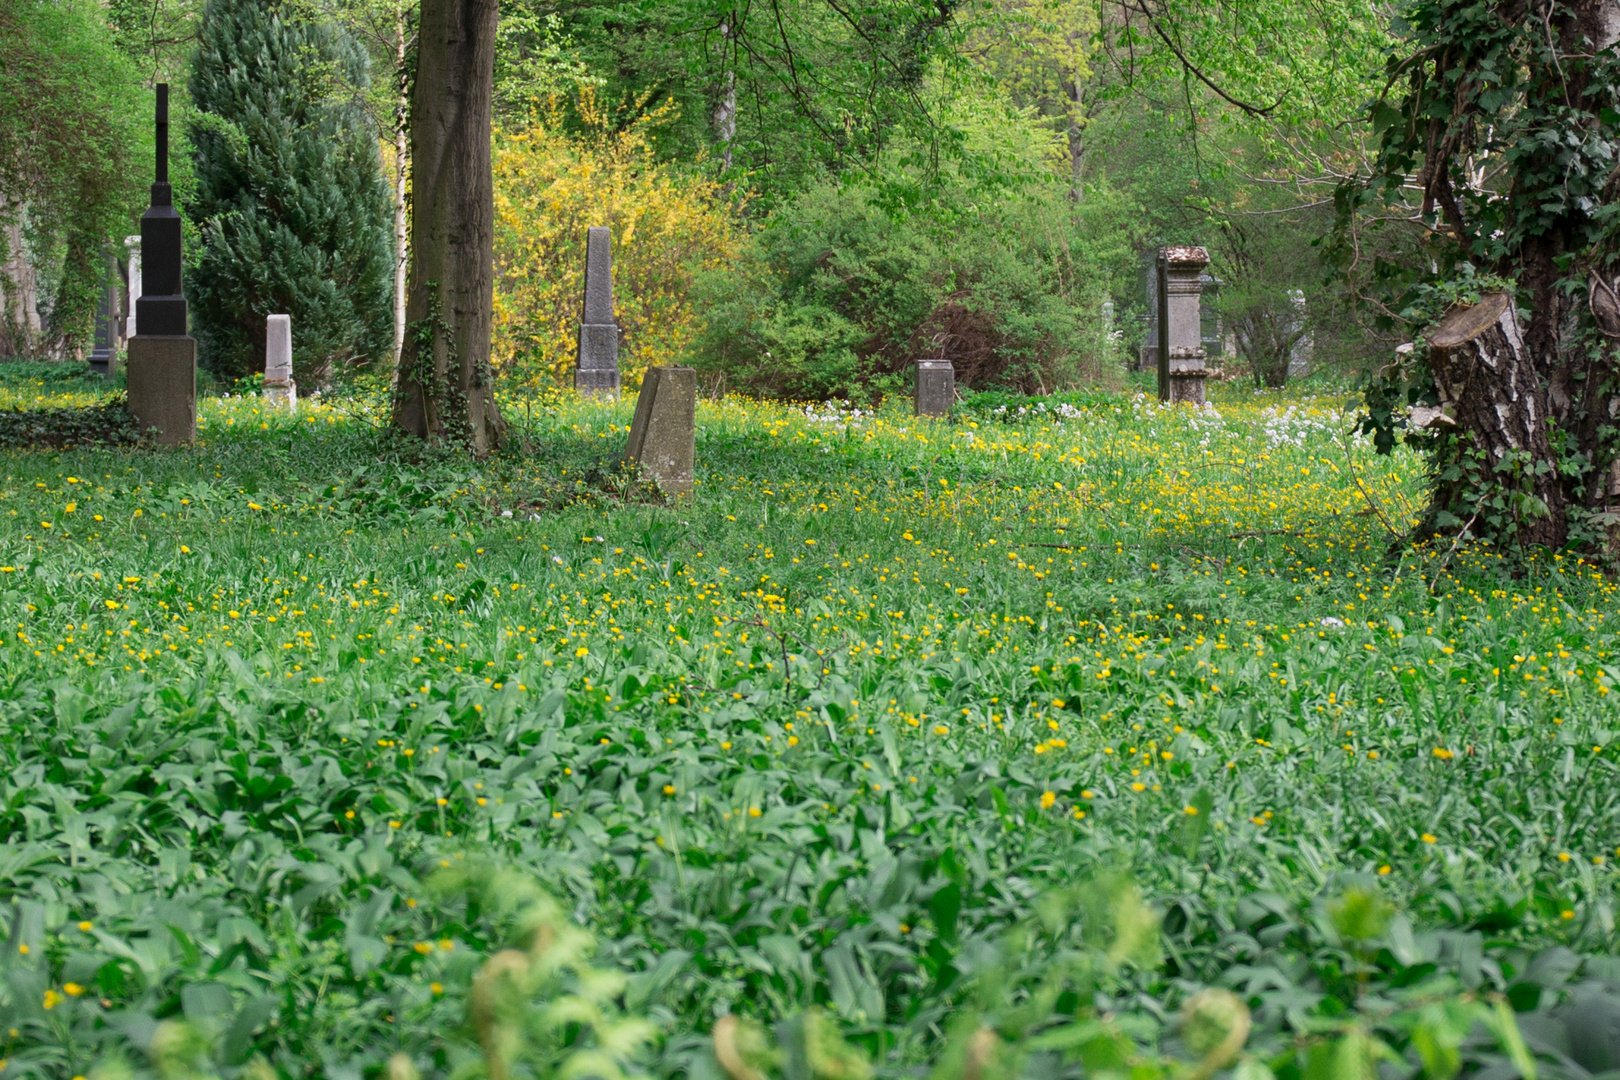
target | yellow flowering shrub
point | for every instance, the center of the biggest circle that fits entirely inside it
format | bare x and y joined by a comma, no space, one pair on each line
550,186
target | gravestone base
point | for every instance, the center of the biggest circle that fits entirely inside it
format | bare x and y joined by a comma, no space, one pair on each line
936,387
597,382
162,387
282,395
1187,387
596,373
663,435
103,363
1186,374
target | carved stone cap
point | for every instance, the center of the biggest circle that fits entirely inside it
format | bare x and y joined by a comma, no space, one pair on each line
1185,257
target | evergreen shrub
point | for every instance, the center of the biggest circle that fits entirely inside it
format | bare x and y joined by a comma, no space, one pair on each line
290,203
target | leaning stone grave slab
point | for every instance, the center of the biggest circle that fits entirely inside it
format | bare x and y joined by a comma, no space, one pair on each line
663,435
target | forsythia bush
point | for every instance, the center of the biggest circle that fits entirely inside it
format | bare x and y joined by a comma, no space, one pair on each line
550,186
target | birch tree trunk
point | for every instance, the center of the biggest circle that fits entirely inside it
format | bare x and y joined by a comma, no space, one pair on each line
1075,90
445,387
725,109
402,166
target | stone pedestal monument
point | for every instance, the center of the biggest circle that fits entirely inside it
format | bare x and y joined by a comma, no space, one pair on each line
663,436
936,387
279,388
596,371
1181,345
162,376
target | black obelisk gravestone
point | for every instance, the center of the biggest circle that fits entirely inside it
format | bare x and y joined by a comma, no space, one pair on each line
162,376
596,371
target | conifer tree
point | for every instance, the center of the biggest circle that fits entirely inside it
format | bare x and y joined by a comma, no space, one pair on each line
290,201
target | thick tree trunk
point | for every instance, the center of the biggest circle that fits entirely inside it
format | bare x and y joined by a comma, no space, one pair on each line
1491,391
445,388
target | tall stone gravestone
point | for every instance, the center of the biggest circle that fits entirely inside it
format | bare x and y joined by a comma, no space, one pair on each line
1181,346
1299,353
162,376
1213,332
663,435
1147,357
104,356
597,368
279,388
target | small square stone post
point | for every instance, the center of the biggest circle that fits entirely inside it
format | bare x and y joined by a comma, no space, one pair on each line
663,435
1181,341
596,370
162,376
936,387
279,388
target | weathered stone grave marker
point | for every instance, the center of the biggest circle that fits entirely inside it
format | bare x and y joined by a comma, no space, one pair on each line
936,387
162,377
934,391
1181,346
1300,352
596,370
104,356
279,388
663,435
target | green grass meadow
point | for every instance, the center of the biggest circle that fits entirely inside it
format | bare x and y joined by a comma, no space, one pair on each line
1087,705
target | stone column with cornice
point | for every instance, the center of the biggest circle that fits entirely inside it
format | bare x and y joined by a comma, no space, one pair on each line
1181,345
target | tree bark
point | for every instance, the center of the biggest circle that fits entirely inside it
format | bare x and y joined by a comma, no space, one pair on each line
725,109
402,159
21,328
1074,91
1490,389
445,387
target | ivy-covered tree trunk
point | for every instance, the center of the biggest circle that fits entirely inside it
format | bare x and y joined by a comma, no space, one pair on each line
1508,127
445,387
